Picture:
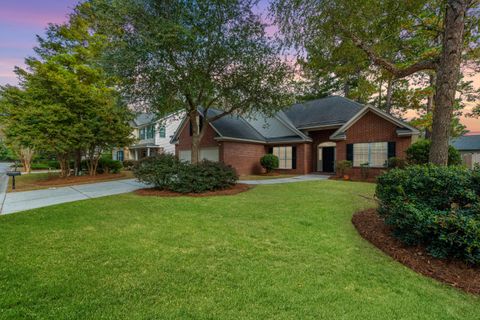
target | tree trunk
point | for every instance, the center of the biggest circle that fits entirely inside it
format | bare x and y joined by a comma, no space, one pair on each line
64,162
93,156
388,100
26,156
78,162
380,94
430,103
198,131
447,79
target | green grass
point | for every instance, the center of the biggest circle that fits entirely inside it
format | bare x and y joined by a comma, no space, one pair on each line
278,251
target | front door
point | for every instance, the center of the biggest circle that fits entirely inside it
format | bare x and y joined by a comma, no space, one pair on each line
328,157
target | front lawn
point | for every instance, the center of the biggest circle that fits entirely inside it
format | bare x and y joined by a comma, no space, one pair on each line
284,251
36,181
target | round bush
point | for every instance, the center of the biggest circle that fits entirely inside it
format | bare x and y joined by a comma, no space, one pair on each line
269,162
437,207
419,151
166,172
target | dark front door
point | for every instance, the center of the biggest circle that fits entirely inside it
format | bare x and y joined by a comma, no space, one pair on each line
328,156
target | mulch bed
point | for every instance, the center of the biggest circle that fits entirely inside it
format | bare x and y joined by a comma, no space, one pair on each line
57,181
455,273
238,188
355,179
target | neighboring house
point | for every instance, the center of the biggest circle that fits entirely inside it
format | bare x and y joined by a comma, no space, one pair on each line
152,136
307,137
469,147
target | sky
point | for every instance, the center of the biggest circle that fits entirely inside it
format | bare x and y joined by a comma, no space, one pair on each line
22,20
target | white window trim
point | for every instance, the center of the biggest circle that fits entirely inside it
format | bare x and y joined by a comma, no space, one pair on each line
370,155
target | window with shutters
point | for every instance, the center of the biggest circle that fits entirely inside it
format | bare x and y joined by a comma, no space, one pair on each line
374,154
285,156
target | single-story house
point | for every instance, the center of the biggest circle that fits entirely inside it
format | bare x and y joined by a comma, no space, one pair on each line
152,136
306,137
469,147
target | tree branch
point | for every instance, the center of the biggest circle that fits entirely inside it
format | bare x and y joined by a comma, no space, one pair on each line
430,64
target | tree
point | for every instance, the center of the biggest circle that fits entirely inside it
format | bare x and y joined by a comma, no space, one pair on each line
21,144
402,38
67,105
193,55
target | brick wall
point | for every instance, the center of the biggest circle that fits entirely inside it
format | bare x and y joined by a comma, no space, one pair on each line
245,157
185,140
372,128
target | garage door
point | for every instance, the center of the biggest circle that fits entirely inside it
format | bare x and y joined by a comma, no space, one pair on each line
185,155
210,154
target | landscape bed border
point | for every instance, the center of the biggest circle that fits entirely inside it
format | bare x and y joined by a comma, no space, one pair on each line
455,273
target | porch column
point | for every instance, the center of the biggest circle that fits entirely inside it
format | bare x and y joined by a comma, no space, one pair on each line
136,154
148,152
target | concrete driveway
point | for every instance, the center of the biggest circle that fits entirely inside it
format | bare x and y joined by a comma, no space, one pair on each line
26,200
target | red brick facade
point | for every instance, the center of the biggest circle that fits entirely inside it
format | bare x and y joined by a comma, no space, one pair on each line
185,140
372,128
245,156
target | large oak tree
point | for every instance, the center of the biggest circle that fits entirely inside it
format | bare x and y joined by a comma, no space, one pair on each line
400,37
193,55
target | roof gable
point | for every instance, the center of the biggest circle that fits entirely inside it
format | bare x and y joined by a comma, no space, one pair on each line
404,129
327,111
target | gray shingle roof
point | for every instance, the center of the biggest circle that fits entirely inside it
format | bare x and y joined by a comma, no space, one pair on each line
332,110
143,119
234,127
465,143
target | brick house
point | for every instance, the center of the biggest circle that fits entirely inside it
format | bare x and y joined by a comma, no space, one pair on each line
307,137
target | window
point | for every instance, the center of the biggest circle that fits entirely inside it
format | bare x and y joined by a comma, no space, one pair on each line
120,155
150,132
141,134
375,154
162,132
285,157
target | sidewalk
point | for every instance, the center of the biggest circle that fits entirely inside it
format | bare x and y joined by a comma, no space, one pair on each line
21,201
26,200
307,177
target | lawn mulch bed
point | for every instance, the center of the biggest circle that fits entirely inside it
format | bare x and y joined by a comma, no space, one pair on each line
57,181
455,273
238,188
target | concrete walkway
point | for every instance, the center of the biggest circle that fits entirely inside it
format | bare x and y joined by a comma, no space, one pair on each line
307,177
26,200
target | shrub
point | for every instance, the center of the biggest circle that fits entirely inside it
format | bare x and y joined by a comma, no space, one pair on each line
129,164
166,172
437,207
418,153
343,166
365,170
395,162
106,165
269,162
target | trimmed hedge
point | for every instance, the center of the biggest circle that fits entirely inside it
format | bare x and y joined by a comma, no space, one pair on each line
436,207
269,162
418,153
166,172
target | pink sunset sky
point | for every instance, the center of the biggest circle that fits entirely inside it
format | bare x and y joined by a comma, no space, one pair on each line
22,20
